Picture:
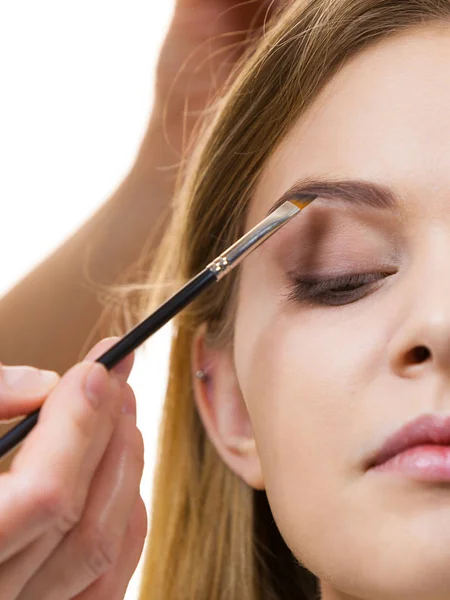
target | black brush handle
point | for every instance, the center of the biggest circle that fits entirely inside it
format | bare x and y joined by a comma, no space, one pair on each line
129,342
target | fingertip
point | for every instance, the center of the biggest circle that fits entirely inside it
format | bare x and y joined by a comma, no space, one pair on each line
14,407
100,348
23,389
124,367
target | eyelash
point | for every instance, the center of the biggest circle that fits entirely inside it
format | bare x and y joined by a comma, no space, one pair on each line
329,292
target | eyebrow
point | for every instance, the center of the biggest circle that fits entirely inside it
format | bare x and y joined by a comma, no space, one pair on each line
356,192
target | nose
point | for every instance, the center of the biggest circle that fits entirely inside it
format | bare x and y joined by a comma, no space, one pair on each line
422,340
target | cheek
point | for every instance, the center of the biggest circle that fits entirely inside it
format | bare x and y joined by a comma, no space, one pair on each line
304,375
299,402
299,379
290,398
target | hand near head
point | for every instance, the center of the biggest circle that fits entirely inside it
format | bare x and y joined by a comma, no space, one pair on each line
204,41
72,522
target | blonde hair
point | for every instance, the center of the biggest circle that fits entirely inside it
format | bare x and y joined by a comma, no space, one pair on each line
213,537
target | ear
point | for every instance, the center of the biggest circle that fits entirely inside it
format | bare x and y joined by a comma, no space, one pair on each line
223,411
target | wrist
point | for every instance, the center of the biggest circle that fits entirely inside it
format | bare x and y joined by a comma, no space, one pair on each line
171,128
154,171
162,141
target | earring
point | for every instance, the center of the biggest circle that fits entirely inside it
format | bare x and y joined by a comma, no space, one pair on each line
200,374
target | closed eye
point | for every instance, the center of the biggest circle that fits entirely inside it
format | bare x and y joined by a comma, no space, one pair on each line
335,291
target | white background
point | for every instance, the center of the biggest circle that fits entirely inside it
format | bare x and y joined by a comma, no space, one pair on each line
76,91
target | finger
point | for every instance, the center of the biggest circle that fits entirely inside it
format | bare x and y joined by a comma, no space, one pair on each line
113,585
38,498
15,572
93,546
123,368
23,389
46,485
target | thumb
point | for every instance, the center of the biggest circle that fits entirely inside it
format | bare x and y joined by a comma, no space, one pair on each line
23,389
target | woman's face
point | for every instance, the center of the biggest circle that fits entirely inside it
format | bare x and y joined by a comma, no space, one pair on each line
326,374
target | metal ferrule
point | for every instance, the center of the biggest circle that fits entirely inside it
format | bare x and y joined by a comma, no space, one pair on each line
251,240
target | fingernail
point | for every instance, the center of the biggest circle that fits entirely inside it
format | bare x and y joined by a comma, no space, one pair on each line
27,380
97,385
122,369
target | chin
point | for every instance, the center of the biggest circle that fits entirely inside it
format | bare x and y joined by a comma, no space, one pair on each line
427,584
437,589
414,574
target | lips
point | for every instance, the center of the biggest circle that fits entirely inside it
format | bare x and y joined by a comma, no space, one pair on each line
425,430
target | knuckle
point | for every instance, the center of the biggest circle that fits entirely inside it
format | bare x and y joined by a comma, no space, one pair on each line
67,521
100,549
71,514
49,498
54,504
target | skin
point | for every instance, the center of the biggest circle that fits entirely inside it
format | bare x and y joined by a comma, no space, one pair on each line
203,42
308,390
49,547
72,521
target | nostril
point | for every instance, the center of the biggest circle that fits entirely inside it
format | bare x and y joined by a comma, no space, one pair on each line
418,354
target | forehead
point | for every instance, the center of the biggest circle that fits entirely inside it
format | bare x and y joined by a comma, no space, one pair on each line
383,117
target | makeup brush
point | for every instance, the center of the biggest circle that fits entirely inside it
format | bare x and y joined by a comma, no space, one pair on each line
213,272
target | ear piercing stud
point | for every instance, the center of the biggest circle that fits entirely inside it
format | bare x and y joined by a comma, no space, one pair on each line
200,374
